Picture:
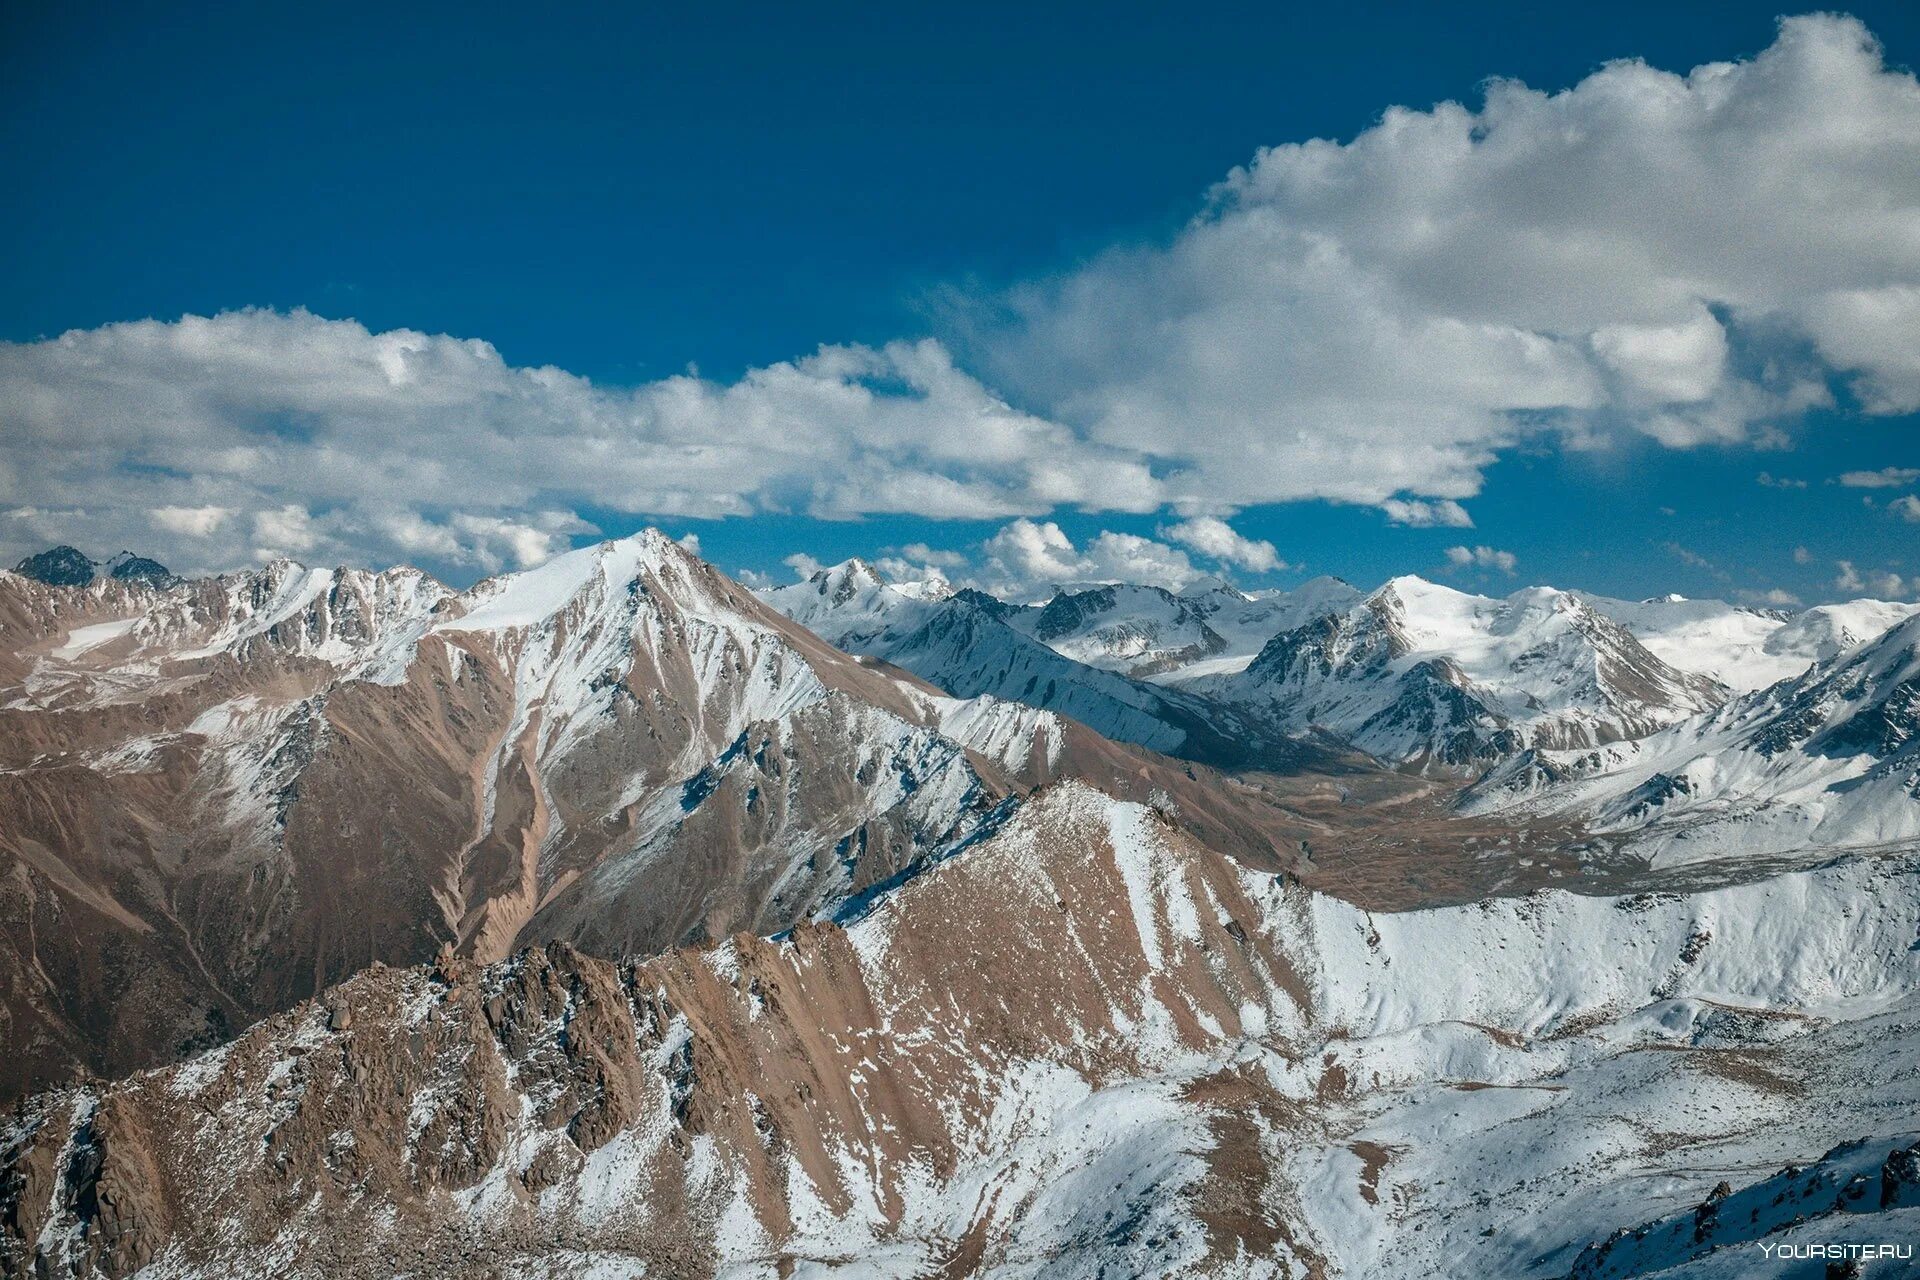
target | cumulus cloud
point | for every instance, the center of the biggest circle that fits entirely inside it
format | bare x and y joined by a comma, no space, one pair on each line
1907,508
1884,583
288,530
1767,480
319,437
490,543
921,553
1687,256
1884,478
1444,513
1211,536
1028,559
803,565
195,522
754,580
1872,330
1482,558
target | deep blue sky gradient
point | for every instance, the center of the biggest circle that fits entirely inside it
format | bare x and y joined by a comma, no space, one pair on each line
627,191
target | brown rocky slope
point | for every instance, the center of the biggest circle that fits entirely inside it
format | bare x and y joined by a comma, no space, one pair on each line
222,796
1084,1045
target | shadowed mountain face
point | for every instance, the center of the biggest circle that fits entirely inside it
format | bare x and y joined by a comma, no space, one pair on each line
58,567
972,645
223,797
69,567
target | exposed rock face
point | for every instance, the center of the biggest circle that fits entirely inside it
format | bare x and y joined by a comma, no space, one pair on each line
1900,1179
128,567
724,953
1084,1043
972,645
1798,1216
1161,632
61,566
65,566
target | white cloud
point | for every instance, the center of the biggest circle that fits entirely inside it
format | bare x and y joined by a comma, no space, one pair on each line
1482,557
1685,256
1774,597
323,438
489,543
803,565
921,553
1658,364
1211,536
900,569
1908,508
288,531
1445,514
753,579
195,522
1883,583
1873,331
1802,556
1027,559
1884,478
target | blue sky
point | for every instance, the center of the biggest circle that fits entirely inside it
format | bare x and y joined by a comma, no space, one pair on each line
626,196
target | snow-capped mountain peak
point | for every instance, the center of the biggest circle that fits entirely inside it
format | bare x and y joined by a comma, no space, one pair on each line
1828,759
1422,673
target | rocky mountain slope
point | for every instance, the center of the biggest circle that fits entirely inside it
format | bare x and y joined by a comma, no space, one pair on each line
1082,1045
1151,633
223,795
604,921
65,566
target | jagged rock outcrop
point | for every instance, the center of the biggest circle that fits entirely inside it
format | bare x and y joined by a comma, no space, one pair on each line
65,566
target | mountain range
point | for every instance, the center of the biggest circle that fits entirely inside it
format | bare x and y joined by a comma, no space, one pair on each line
611,919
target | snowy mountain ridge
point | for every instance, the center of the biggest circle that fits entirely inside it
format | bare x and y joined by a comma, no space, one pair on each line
1830,758
1414,673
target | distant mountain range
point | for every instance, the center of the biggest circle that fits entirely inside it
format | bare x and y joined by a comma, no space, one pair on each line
65,566
1414,673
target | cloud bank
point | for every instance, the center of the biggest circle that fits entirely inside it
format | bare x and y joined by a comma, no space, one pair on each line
1693,259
